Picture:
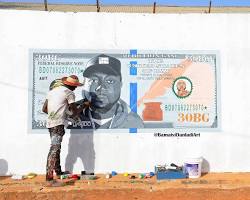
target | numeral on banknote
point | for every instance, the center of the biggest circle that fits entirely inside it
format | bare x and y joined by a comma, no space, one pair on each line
193,117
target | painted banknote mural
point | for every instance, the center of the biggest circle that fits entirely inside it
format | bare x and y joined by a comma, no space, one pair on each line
131,90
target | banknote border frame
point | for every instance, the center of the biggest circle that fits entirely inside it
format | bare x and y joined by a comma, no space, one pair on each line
126,131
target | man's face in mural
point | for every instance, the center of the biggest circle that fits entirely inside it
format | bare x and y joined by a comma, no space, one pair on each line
105,89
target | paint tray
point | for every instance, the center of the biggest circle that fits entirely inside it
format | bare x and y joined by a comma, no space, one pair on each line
164,173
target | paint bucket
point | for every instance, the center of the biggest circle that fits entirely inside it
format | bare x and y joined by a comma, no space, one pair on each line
108,176
126,174
113,173
17,177
141,176
192,167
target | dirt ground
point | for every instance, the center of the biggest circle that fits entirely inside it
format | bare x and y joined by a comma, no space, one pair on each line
222,186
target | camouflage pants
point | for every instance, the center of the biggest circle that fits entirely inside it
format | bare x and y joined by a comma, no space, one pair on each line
53,159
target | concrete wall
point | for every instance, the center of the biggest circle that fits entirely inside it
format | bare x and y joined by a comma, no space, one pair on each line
226,150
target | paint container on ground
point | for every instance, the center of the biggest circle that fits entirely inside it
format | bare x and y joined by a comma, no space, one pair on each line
192,167
30,175
108,176
152,173
133,177
141,176
125,174
64,176
74,176
114,173
17,177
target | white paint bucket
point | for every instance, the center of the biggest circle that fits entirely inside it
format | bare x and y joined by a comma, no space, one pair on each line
108,176
192,167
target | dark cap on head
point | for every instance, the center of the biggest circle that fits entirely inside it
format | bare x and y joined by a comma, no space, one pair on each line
103,63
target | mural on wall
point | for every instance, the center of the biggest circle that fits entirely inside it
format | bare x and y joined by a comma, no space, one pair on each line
130,90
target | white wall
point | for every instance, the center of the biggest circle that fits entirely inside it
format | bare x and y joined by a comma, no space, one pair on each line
227,150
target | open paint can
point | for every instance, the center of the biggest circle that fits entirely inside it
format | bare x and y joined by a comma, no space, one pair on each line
192,167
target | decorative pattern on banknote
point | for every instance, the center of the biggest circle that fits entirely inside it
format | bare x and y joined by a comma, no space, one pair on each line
174,89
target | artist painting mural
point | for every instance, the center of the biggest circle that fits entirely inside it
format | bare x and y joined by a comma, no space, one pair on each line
131,90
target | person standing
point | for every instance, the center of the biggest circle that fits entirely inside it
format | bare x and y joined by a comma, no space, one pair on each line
58,101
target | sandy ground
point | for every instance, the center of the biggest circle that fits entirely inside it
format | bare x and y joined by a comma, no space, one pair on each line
225,186
120,8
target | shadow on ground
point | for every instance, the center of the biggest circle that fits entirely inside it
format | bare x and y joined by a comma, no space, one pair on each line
81,146
3,169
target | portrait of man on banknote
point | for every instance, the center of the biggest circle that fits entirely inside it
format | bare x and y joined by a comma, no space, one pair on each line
182,88
107,109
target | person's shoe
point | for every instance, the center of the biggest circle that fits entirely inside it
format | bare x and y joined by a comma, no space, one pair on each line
62,173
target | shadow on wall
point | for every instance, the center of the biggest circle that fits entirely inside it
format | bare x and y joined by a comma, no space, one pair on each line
81,145
3,167
205,167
